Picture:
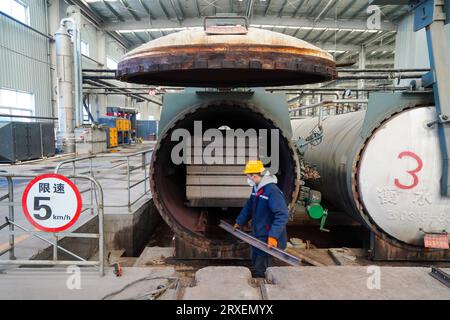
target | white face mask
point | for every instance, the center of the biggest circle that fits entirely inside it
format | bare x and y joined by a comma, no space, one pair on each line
250,182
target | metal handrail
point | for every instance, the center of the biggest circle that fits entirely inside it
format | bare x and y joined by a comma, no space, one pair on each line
129,169
57,236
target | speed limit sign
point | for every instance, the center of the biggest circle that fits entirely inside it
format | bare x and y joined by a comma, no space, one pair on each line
51,202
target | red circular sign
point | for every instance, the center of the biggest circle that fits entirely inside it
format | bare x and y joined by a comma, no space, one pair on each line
51,202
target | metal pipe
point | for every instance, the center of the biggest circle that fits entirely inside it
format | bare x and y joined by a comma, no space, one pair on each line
78,79
101,240
382,70
55,247
322,103
27,117
48,262
313,93
99,77
96,82
46,240
381,77
299,90
76,68
133,88
325,9
11,217
65,137
99,70
129,189
121,93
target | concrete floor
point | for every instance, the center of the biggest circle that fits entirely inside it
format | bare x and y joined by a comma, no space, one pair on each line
354,283
229,283
52,284
218,282
318,283
108,171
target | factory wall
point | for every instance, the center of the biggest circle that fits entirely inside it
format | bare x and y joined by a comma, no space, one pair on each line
411,49
102,46
27,58
24,57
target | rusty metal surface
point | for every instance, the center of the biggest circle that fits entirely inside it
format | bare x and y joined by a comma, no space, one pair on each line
258,58
199,226
384,249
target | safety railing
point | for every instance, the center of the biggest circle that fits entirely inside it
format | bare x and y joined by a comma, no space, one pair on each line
95,205
131,162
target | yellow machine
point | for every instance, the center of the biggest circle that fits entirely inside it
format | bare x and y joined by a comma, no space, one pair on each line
113,138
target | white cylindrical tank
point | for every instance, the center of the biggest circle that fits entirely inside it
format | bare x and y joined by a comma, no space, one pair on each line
389,181
64,64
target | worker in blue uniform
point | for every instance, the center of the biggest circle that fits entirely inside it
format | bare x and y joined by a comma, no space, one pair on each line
268,211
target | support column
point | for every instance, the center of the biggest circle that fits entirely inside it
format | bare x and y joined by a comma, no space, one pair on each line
361,65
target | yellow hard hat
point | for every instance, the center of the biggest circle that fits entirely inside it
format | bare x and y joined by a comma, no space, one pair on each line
254,166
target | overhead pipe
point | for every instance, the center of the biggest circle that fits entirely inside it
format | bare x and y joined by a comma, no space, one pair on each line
100,70
298,90
122,91
381,77
381,70
132,88
99,77
324,102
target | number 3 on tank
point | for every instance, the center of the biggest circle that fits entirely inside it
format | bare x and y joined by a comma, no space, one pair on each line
413,173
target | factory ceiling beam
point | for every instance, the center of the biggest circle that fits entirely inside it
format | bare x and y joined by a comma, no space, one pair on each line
99,22
147,9
401,16
325,45
331,46
176,12
357,35
112,10
328,7
300,4
249,8
164,9
345,35
359,11
379,37
139,38
314,8
269,20
390,13
130,10
267,7
317,37
296,32
345,10
280,12
197,5
332,34
307,34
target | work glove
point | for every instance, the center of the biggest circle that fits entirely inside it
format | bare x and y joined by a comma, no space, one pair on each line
236,226
272,242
